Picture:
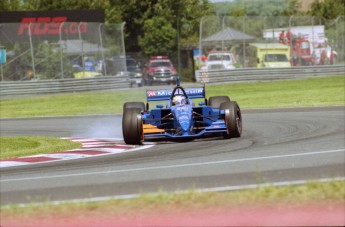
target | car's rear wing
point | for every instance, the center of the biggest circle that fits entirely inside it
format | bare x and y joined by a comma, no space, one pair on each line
158,95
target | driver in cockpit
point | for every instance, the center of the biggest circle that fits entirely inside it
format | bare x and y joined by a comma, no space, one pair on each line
179,100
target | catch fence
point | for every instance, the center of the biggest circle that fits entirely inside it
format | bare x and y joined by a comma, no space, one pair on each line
227,43
41,51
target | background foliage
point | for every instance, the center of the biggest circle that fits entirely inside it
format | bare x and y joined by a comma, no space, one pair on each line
151,24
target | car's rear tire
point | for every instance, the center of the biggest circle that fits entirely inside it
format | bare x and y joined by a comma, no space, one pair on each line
132,126
215,101
232,118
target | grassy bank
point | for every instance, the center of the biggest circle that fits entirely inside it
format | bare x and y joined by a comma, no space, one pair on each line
291,93
325,195
31,145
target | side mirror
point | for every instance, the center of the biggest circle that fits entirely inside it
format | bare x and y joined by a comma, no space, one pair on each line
160,106
202,104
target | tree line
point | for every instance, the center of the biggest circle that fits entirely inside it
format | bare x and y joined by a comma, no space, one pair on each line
151,25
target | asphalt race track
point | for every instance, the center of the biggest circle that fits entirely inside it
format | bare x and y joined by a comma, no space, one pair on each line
278,145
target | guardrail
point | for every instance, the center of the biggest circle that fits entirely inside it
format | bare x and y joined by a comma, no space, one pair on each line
38,87
266,74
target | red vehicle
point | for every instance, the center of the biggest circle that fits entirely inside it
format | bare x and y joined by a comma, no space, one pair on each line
308,44
160,70
300,51
327,55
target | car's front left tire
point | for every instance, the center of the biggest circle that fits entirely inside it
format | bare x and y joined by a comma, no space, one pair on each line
132,126
139,105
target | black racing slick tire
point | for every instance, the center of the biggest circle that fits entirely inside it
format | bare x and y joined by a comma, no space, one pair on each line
233,119
139,105
215,101
132,126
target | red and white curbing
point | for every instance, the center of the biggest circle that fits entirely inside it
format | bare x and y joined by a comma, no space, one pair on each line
90,148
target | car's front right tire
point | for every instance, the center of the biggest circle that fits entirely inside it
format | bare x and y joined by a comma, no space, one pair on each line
232,118
216,101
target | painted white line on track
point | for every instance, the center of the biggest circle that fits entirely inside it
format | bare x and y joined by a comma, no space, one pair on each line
176,166
215,189
13,163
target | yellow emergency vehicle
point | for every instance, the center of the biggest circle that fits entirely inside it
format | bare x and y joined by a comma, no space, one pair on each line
269,55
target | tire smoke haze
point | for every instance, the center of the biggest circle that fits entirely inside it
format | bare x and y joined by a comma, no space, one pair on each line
100,127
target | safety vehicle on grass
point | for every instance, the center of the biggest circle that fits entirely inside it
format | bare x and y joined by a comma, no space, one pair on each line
179,118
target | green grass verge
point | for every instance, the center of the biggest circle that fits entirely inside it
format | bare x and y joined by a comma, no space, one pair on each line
288,93
309,193
31,145
327,91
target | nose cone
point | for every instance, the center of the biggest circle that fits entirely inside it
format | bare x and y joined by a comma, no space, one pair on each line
184,125
183,116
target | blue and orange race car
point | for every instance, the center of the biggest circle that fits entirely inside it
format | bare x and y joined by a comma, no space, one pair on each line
179,118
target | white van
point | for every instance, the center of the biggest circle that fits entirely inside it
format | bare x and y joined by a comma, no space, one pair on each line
220,61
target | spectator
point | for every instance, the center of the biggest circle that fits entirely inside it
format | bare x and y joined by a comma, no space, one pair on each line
282,37
88,65
288,36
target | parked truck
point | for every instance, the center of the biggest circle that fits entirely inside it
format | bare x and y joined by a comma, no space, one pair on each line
269,55
308,45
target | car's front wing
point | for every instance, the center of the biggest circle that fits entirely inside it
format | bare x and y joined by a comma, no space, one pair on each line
151,131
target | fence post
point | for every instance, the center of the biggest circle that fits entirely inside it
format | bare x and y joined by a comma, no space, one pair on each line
223,30
2,73
61,52
245,64
82,47
200,37
123,45
102,49
291,48
32,53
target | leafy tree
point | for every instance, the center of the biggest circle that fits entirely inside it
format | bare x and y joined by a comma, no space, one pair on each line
112,14
158,37
292,7
186,13
19,68
10,5
139,16
328,9
258,8
333,13
47,61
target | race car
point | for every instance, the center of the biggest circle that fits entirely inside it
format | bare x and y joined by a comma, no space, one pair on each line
179,118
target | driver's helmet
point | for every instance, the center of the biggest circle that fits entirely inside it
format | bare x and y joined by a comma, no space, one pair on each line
179,99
